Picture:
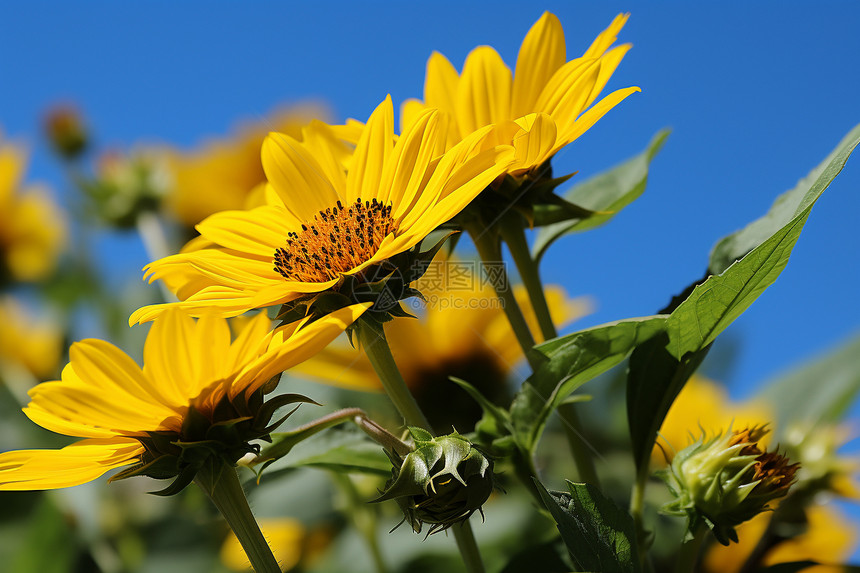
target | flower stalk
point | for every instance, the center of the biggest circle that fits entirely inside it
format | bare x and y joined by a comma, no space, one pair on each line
490,250
511,231
221,483
372,339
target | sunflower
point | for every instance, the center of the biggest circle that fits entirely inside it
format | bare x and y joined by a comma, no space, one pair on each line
196,390
333,224
32,228
545,105
462,333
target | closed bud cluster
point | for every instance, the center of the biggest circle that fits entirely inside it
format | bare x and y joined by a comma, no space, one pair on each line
443,481
726,480
126,186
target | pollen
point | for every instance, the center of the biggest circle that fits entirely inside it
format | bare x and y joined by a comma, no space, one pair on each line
336,241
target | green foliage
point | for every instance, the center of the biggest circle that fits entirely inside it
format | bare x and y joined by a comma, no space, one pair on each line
598,533
571,361
48,528
604,195
659,370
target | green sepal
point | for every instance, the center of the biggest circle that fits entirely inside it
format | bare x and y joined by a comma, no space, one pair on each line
162,467
268,409
185,477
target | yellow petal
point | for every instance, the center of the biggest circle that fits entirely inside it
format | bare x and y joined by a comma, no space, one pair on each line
608,64
607,37
533,142
440,84
170,356
541,54
410,111
259,231
371,155
84,461
565,95
343,366
593,114
484,94
465,180
287,351
296,176
102,363
410,162
88,407
331,154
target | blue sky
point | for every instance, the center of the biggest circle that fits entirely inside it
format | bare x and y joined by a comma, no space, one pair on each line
755,95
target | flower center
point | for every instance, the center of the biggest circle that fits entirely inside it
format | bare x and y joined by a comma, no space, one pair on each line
335,242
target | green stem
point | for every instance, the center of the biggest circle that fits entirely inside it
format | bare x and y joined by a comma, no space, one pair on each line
688,557
375,345
220,482
468,546
637,506
512,232
363,517
514,235
490,251
372,337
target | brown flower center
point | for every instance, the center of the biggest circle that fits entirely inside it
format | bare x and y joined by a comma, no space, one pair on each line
335,242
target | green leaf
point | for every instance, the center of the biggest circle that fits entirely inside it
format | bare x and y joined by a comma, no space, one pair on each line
599,535
344,450
800,397
605,194
654,379
571,361
361,456
788,207
657,375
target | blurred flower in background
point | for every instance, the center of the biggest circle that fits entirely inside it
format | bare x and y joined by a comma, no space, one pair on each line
291,542
220,174
32,226
26,342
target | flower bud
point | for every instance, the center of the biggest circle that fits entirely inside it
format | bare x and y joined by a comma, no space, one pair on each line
823,468
127,185
443,481
66,131
726,480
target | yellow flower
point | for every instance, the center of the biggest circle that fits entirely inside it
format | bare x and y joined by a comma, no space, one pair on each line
193,378
26,343
703,404
221,174
830,538
287,538
545,105
463,333
32,228
332,225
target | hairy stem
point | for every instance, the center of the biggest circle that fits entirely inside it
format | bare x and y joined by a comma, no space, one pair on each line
220,482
